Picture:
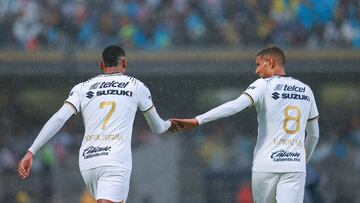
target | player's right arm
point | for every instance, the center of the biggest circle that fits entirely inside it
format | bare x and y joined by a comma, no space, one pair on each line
52,126
228,109
253,94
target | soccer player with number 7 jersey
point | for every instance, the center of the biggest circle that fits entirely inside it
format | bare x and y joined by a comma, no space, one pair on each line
286,109
108,103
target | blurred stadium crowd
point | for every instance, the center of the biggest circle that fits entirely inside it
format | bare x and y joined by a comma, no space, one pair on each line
156,24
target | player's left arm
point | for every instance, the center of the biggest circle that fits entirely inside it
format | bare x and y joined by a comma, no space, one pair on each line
312,137
157,124
312,128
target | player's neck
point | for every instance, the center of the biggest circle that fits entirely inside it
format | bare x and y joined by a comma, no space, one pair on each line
112,70
279,72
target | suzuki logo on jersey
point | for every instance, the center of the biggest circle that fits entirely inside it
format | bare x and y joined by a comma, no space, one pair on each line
295,96
89,94
294,88
275,95
114,92
114,84
96,151
282,155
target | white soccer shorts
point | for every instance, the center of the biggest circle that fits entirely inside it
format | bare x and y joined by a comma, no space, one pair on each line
107,182
278,187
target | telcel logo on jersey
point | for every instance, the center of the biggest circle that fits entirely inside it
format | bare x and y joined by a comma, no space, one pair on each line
113,84
282,155
294,88
96,151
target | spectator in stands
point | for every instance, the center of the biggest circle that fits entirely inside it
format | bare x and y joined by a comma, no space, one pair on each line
157,24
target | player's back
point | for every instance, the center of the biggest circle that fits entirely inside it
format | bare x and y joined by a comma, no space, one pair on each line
108,104
283,110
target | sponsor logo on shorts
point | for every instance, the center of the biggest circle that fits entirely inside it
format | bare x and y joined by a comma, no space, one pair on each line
92,151
283,155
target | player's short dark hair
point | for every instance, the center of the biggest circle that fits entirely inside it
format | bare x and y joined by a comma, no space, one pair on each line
111,55
274,51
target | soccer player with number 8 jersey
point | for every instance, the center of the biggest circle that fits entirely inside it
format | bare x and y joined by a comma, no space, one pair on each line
286,109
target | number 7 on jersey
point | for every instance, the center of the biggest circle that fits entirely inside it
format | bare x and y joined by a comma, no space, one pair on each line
108,115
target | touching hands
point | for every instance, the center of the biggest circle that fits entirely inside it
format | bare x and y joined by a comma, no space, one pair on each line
25,164
182,124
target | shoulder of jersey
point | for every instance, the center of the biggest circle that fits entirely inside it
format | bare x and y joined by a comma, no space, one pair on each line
136,82
87,82
133,80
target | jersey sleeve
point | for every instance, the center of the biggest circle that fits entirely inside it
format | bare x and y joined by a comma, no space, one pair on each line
256,90
314,113
74,99
144,96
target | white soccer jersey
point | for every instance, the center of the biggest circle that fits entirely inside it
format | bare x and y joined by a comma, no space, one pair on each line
284,105
108,104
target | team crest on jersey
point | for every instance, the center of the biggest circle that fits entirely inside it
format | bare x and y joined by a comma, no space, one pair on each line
94,86
278,87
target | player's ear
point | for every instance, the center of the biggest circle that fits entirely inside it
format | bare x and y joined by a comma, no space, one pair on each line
271,62
123,63
102,66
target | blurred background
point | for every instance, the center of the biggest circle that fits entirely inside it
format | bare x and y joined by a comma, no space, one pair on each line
193,55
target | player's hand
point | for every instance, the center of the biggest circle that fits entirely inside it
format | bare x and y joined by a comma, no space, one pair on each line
25,164
184,124
174,126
